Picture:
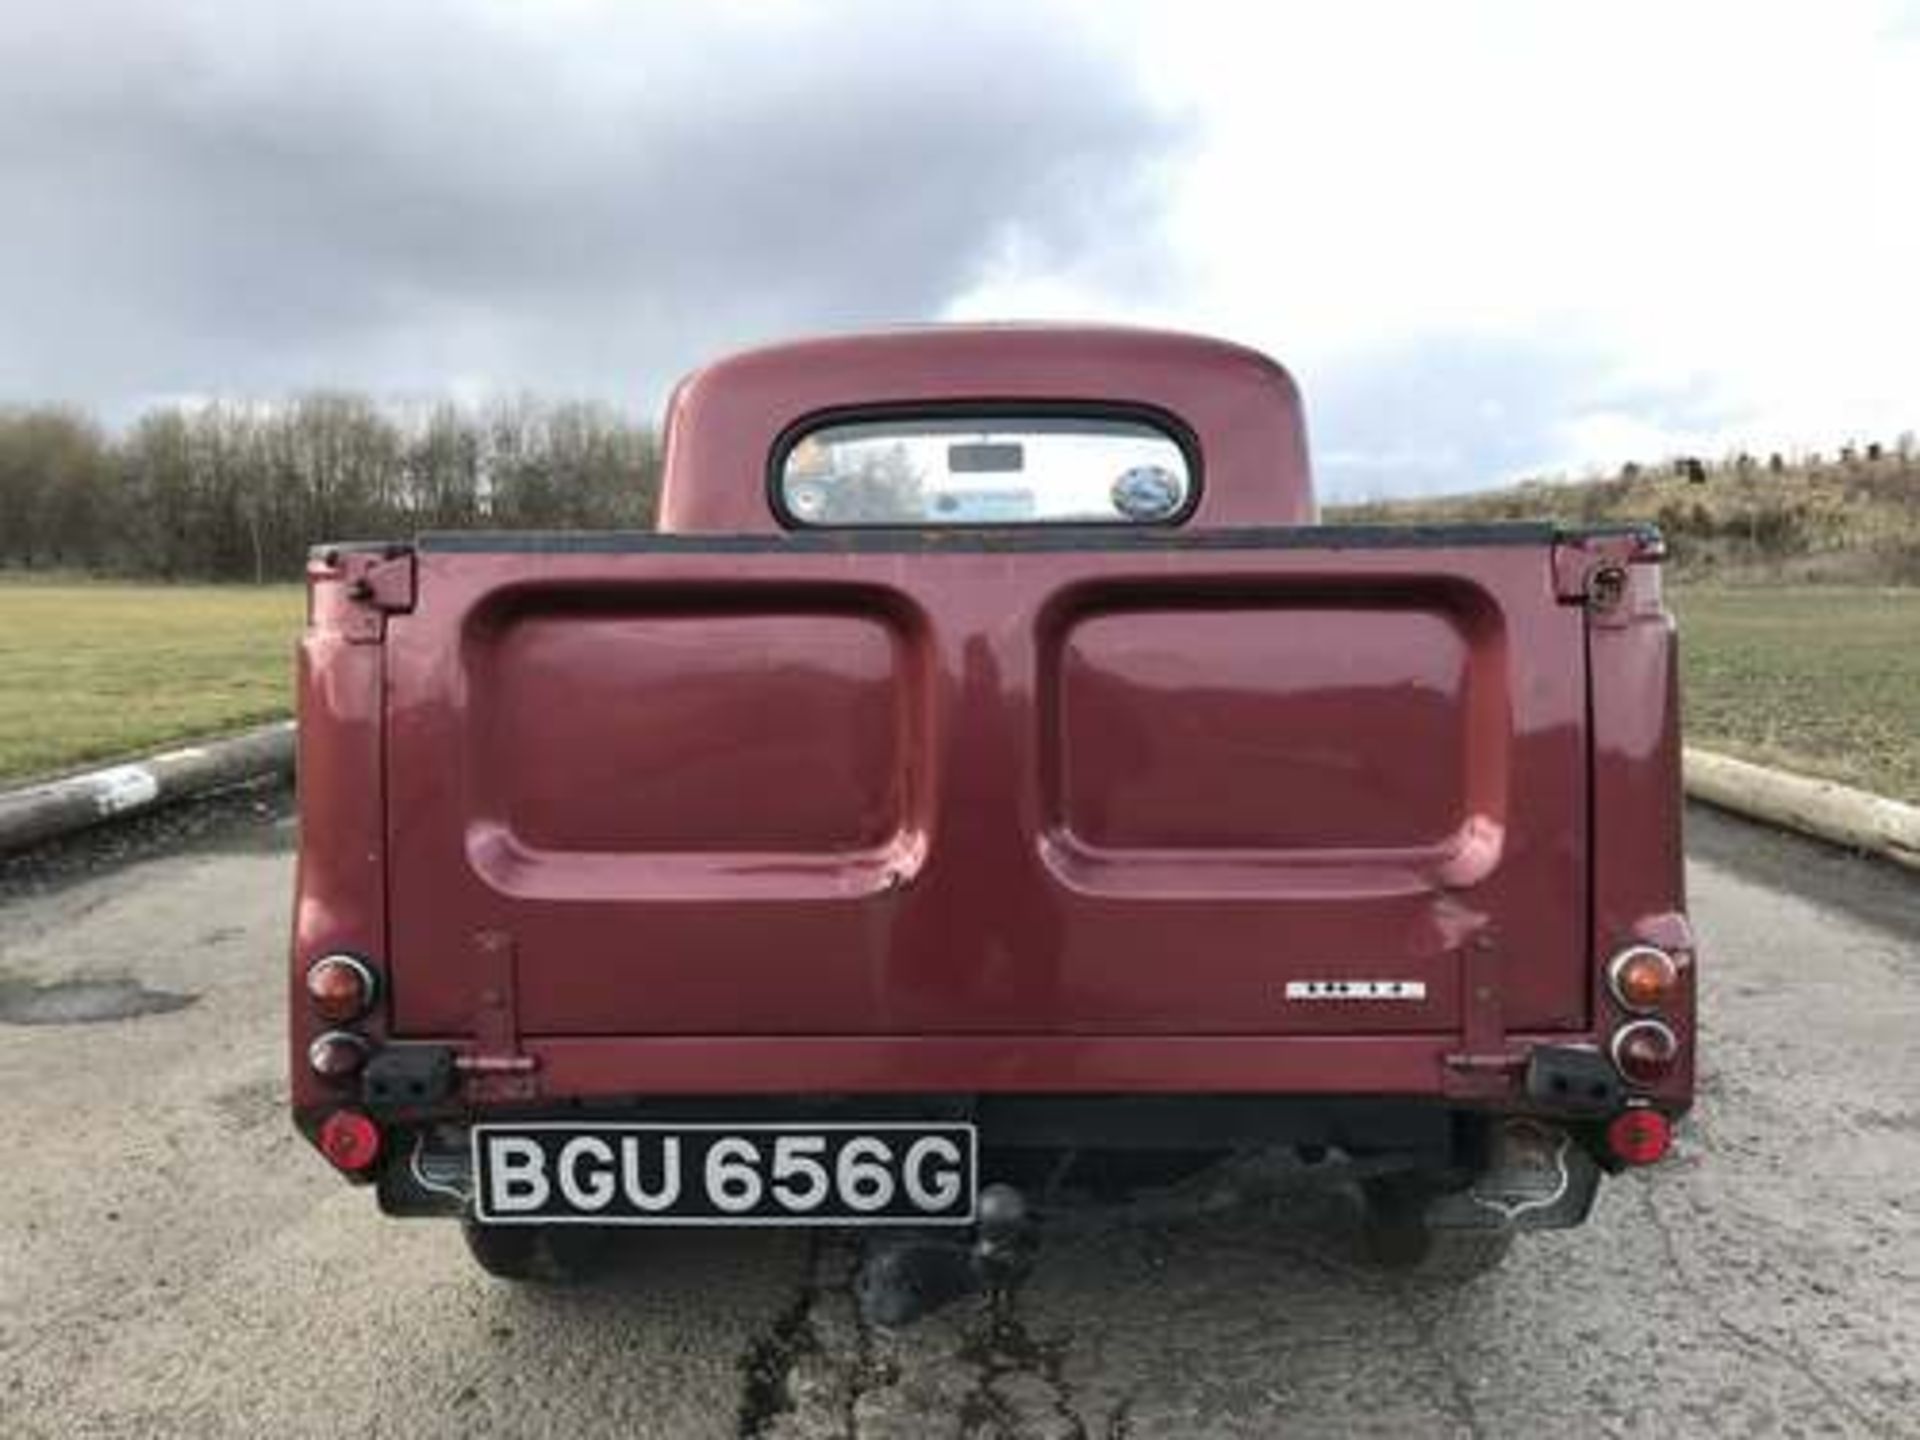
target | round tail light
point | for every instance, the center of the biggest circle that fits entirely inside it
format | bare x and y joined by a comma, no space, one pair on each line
337,1055
1643,978
1639,1137
350,1140
1644,1051
341,987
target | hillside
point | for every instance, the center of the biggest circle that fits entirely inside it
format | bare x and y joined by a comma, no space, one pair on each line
1851,520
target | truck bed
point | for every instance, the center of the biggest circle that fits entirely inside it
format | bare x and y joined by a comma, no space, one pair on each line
1015,804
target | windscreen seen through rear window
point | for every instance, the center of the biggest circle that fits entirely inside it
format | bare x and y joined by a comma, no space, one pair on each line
997,470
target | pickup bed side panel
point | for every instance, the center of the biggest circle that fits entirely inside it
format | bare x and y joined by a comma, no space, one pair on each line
777,812
341,890
1639,893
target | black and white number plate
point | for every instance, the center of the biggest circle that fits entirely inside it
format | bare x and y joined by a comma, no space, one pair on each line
857,1174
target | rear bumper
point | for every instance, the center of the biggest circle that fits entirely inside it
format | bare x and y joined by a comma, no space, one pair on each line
1433,1067
1402,1103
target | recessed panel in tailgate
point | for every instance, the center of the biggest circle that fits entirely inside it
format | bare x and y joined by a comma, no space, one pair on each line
786,787
630,744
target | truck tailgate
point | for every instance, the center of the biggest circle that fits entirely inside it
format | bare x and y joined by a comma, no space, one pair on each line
1254,783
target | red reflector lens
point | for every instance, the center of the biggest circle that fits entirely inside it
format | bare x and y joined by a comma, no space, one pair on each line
337,1055
341,988
1639,1137
1644,1051
350,1140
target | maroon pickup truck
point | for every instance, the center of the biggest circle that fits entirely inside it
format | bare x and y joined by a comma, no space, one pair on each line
988,775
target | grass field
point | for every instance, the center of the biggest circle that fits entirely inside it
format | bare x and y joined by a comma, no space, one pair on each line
91,670
1825,681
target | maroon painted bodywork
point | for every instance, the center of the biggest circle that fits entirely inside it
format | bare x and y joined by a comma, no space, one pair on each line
727,810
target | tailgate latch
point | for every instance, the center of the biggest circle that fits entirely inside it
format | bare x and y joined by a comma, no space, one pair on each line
1591,569
377,583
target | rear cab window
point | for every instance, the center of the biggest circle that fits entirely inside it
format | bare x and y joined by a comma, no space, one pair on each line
1003,468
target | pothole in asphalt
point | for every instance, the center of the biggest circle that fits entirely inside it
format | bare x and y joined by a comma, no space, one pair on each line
83,1002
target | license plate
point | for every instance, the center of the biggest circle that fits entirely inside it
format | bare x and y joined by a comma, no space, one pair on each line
851,1174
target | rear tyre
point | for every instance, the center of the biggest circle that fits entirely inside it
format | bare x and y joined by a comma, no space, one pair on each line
535,1254
1397,1237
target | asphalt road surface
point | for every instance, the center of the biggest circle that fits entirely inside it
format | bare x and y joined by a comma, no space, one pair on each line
173,1261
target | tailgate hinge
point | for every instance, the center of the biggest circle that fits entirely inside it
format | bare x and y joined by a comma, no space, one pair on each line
1591,569
1484,1065
494,1068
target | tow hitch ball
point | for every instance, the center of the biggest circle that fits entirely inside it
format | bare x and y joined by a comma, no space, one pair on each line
1003,1249
906,1276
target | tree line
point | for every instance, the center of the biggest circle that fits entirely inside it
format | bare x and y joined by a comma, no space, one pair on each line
238,492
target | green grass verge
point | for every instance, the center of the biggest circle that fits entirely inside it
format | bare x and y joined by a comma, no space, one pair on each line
1823,681
91,670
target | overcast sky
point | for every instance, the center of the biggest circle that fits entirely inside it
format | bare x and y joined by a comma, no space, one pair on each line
1490,240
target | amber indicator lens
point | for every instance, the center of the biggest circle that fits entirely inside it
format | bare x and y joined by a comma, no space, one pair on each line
341,988
1645,1051
1643,978
1639,1137
350,1140
337,1055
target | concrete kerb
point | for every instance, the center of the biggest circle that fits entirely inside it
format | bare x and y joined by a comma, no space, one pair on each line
1824,809
52,809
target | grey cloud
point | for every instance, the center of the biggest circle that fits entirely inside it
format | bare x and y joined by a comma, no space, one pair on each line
232,198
